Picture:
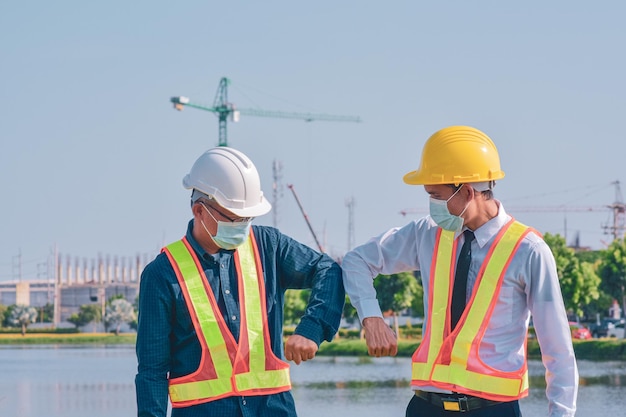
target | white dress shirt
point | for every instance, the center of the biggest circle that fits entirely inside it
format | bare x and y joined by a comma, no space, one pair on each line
530,287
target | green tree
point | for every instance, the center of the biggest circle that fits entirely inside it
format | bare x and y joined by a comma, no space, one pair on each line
612,270
295,305
417,306
591,256
395,293
118,312
22,316
579,282
351,316
134,324
45,313
349,312
3,314
88,313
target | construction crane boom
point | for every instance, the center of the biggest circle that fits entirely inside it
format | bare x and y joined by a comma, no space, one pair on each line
226,110
306,218
618,209
526,209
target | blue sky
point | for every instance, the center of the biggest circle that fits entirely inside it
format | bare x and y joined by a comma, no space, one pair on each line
93,154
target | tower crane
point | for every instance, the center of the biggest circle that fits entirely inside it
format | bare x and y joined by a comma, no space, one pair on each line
226,110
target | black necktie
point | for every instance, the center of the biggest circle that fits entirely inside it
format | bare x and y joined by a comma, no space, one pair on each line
460,279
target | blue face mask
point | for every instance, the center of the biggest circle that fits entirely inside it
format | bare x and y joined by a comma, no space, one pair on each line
441,215
230,235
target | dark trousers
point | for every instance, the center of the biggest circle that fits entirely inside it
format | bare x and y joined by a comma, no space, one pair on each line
419,407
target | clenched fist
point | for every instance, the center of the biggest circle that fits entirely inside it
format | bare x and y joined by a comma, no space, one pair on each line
299,349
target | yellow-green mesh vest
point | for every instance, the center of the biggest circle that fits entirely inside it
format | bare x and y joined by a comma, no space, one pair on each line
227,368
450,360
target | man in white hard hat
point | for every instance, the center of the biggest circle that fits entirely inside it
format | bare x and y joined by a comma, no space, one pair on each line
211,304
484,274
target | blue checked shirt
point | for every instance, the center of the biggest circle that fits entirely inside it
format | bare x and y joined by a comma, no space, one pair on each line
166,341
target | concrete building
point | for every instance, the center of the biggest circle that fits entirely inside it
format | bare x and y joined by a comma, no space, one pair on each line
77,282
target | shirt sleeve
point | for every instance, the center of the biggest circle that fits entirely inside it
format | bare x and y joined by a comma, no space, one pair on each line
301,267
389,253
152,347
553,333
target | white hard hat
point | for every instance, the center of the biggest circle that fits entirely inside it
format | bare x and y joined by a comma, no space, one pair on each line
231,179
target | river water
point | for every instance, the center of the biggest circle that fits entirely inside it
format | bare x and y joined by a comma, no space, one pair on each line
63,381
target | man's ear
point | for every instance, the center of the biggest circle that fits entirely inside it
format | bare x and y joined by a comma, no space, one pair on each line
196,209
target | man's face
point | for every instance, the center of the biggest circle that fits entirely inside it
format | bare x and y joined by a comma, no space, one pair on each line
457,201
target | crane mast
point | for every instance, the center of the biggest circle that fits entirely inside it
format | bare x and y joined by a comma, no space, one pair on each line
226,110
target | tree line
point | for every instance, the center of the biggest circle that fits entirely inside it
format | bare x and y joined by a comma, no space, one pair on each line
118,311
590,282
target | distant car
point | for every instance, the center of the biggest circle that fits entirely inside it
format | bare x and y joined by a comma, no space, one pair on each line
579,331
617,331
602,329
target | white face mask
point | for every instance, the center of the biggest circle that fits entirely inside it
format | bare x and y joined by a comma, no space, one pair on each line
230,235
442,216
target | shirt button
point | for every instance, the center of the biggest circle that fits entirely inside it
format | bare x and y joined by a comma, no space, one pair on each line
227,291
234,317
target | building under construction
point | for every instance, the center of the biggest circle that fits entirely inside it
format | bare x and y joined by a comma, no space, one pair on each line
76,282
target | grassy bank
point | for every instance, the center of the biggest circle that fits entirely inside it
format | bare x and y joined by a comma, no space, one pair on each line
68,339
596,349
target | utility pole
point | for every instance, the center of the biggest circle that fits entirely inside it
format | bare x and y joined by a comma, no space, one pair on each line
57,288
277,189
17,266
350,204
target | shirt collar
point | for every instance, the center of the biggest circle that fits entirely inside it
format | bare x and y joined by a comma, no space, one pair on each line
488,230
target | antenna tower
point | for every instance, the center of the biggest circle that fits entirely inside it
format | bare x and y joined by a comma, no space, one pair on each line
350,204
277,188
618,208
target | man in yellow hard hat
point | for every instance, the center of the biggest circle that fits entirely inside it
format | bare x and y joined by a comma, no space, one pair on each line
484,275
210,328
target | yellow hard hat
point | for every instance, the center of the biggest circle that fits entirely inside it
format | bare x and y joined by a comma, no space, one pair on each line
457,155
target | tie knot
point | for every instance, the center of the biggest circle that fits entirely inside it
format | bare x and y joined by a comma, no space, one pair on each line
469,235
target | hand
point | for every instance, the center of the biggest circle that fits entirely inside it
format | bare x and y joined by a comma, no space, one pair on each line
381,340
299,349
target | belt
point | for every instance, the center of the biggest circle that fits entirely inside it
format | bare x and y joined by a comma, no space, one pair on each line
455,402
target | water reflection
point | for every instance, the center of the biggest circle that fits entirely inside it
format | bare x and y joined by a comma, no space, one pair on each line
369,387
66,381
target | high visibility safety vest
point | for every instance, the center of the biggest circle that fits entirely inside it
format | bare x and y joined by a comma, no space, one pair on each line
227,368
450,360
